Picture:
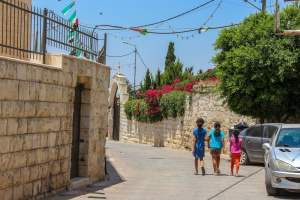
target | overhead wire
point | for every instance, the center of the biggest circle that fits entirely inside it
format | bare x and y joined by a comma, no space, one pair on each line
119,56
176,15
142,60
120,27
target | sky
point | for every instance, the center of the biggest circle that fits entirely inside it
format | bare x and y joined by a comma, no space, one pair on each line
152,48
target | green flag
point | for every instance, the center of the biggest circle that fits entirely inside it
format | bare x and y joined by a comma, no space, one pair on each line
65,11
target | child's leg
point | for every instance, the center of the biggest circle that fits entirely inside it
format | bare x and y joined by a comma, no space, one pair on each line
201,162
214,160
233,157
238,156
218,160
196,165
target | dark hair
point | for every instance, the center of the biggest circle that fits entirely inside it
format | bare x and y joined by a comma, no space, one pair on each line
217,132
236,133
200,120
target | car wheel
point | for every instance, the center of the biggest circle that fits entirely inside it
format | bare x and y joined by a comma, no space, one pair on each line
244,160
270,190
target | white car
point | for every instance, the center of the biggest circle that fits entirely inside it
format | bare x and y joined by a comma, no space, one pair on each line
282,160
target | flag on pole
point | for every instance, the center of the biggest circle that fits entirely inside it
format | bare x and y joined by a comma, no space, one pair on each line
72,37
140,30
73,19
65,11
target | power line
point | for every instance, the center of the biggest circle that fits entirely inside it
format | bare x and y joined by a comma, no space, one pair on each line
239,5
120,56
120,27
142,59
176,15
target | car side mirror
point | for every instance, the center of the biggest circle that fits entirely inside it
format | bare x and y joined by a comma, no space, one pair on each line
266,146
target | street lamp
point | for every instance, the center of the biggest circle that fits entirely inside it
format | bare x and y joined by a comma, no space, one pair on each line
134,61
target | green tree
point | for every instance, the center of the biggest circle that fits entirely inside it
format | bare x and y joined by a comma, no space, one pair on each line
259,71
142,87
170,57
157,79
200,71
188,71
172,72
130,89
147,82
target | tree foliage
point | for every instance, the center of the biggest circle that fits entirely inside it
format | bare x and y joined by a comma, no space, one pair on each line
157,81
170,57
260,70
147,81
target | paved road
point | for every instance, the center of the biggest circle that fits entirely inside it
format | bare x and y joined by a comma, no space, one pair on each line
145,172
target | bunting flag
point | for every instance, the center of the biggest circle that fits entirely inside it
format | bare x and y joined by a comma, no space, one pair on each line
73,19
65,11
140,30
72,37
74,27
87,55
79,52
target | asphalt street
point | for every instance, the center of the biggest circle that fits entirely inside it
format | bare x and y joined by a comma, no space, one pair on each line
139,171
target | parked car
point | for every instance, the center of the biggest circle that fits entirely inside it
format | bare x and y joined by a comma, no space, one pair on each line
282,160
253,138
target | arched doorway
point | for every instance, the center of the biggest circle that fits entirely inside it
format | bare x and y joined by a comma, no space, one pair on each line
117,98
116,118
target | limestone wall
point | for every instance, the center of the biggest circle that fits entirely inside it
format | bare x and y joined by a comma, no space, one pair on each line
36,123
177,133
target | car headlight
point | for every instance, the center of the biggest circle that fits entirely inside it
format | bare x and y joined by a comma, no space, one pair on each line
283,165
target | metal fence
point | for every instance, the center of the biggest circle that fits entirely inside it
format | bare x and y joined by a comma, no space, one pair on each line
26,31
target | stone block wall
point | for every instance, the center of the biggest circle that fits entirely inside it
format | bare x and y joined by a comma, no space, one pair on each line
36,123
178,133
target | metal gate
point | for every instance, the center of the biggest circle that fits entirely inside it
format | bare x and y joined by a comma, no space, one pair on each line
76,132
116,127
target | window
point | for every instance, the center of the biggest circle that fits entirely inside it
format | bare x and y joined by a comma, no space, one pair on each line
256,131
289,137
270,130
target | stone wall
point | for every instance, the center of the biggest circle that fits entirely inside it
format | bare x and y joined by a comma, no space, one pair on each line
177,133
36,123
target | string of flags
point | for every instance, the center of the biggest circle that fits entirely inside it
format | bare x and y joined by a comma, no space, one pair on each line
122,66
73,34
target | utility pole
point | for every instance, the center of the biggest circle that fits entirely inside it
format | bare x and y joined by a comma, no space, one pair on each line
134,67
263,5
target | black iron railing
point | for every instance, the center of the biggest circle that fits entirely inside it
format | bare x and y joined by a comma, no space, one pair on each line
26,32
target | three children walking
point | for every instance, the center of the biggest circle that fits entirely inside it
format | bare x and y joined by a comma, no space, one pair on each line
215,142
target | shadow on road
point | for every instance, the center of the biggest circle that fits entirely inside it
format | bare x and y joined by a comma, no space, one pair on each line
290,195
94,191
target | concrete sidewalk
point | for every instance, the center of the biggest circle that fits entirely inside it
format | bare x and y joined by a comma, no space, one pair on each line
139,171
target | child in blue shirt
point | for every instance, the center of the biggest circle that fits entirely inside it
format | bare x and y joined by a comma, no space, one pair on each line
200,135
215,144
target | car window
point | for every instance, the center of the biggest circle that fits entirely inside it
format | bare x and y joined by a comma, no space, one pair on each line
289,137
270,130
256,131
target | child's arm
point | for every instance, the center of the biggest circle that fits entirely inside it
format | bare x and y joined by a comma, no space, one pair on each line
194,143
205,138
208,142
223,143
230,145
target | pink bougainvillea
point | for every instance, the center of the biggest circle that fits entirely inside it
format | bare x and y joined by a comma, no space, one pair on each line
208,70
139,94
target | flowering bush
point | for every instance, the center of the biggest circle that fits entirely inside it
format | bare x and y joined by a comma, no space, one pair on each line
155,105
